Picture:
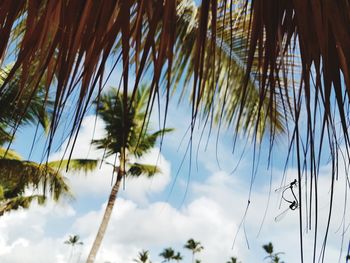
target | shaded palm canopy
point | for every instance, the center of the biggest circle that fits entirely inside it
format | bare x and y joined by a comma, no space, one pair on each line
23,181
293,57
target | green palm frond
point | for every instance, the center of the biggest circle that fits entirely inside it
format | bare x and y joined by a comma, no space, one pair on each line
73,240
14,111
16,176
5,135
223,82
2,193
126,129
143,257
19,201
167,254
75,165
9,154
111,109
232,260
178,256
224,72
138,169
194,246
146,142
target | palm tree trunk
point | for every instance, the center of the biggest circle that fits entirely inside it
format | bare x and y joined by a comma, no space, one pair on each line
106,217
70,254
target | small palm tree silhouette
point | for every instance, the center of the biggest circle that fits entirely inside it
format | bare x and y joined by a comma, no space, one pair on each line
73,241
143,257
194,246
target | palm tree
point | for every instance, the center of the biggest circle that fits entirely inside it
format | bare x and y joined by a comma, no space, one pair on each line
232,260
168,254
194,246
143,257
127,137
178,257
73,241
274,257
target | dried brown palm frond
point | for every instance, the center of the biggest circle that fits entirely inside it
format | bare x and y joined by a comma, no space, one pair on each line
319,31
72,41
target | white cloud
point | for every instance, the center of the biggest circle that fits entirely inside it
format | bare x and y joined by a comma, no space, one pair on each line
24,238
211,216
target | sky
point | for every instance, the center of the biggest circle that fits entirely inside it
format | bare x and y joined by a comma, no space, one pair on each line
206,202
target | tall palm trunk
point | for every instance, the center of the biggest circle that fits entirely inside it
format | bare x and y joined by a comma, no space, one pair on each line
106,217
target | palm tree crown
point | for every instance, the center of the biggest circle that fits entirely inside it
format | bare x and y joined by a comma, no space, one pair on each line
194,246
178,256
143,257
168,254
73,240
125,125
232,260
274,257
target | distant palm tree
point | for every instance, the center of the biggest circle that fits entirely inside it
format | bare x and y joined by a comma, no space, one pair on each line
194,246
178,257
73,241
274,257
127,136
143,257
232,260
168,254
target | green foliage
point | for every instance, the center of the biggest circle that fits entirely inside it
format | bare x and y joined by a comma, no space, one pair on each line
178,256
274,257
17,176
9,154
223,82
137,169
232,260
125,129
75,165
73,240
169,254
194,246
143,257
16,111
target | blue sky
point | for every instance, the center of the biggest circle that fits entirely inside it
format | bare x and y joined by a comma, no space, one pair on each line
158,213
